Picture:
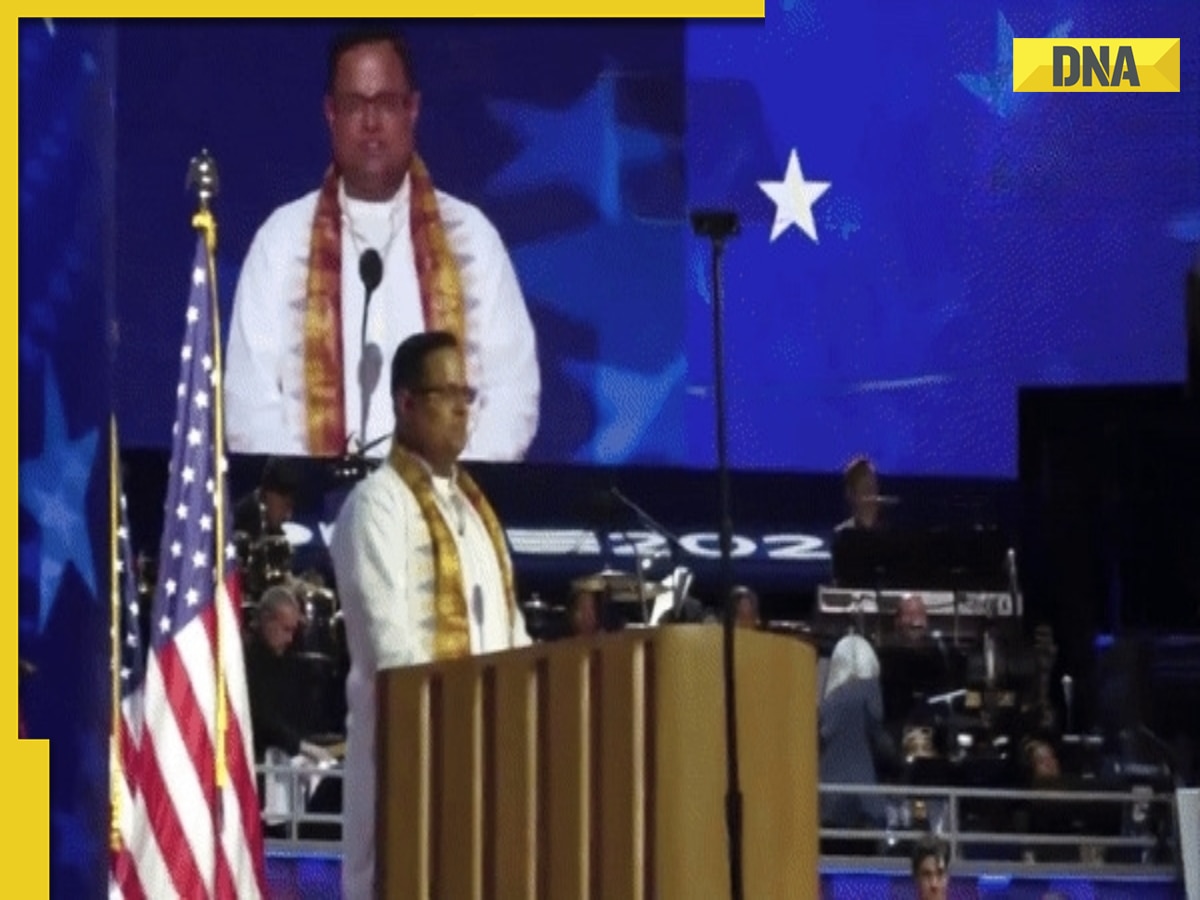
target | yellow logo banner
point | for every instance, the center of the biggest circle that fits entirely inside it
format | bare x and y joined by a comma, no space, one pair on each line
1079,65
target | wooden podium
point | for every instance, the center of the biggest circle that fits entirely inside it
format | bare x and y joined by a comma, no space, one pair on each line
596,770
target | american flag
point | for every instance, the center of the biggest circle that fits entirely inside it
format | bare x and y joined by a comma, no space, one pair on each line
128,730
190,836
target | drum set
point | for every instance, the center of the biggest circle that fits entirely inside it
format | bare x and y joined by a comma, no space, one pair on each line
268,561
608,600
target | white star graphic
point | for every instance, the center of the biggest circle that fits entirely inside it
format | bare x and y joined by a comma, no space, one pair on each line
794,198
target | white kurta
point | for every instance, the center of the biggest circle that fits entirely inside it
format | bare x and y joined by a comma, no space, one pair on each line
264,380
383,559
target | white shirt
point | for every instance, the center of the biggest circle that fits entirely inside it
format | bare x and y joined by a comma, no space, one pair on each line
382,556
264,380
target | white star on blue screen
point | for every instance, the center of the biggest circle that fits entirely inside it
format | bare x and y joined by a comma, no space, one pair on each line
995,88
53,488
794,198
628,402
583,145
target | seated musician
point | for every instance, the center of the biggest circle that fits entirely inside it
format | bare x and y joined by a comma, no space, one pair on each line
271,677
912,619
585,611
862,494
271,682
746,612
1043,772
264,510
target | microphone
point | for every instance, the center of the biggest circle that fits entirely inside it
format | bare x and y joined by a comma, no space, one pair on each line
1068,689
370,270
370,361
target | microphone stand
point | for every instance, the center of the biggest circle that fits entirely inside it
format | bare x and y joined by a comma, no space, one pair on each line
370,272
718,226
353,466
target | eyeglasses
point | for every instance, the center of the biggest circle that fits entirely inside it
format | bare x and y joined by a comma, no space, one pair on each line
390,103
454,392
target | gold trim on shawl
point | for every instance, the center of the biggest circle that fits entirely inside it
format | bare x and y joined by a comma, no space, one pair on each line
438,280
452,637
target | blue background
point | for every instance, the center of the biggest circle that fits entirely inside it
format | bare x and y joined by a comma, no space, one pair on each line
66,148
973,239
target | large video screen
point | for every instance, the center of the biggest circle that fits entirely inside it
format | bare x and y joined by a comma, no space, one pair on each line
916,241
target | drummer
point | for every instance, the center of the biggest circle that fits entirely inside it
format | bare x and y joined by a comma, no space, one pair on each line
586,608
263,512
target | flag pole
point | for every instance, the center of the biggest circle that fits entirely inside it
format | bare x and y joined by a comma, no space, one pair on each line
115,773
204,180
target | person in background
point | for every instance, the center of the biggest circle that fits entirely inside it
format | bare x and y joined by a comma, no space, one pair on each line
746,607
862,494
852,736
930,865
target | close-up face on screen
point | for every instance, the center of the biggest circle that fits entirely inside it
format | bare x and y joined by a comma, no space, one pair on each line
952,240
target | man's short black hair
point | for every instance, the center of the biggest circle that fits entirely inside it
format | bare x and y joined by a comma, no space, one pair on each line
408,365
927,847
857,469
346,41
280,477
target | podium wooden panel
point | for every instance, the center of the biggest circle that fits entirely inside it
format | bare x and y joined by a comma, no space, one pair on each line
596,770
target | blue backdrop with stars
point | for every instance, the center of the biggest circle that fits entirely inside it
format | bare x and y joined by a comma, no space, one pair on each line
66,154
953,240
971,241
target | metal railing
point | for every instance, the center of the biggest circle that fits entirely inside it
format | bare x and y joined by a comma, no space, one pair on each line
1146,847
1147,844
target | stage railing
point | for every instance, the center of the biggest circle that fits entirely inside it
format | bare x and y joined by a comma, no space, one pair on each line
298,830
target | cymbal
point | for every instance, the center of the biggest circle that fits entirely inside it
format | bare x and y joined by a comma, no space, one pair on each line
618,586
312,592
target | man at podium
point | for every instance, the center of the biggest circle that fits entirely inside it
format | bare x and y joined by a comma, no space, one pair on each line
422,567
